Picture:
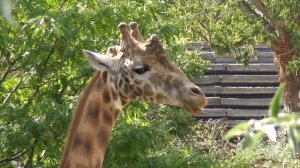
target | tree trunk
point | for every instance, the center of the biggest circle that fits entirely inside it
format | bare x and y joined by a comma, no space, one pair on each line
284,52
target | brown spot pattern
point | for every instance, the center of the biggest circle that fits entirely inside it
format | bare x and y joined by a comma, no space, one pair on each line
123,101
126,89
131,87
104,76
107,117
84,142
139,90
137,93
168,78
156,79
177,83
93,112
114,95
106,96
80,165
120,83
137,81
133,96
126,80
147,90
159,97
103,137
116,112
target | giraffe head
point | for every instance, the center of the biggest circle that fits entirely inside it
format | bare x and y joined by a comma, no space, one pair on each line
141,70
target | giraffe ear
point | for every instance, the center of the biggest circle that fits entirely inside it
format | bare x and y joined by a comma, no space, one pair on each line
100,62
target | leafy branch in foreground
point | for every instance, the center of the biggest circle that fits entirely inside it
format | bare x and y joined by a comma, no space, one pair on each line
254,130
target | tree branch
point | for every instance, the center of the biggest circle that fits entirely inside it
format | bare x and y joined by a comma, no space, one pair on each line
263,9
218,13
14,157
30,99
246,8
31,154
9,69
63,4
48,58
12,92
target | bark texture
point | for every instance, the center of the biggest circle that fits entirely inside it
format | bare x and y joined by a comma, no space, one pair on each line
284,52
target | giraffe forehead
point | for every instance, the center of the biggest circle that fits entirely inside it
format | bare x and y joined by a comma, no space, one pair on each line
160,62
128,62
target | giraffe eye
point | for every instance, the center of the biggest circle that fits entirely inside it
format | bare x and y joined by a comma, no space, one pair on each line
141,69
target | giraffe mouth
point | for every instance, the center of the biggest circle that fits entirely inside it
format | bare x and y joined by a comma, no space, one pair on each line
194,111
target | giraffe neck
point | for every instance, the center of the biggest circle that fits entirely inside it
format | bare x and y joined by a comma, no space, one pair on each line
92,123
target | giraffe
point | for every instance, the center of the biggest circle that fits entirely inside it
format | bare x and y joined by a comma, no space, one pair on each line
136,69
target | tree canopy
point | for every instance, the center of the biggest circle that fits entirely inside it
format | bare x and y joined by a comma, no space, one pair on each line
42,70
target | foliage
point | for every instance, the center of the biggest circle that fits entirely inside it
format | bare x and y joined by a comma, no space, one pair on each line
5,11
254,130
154,143
42,72
294,65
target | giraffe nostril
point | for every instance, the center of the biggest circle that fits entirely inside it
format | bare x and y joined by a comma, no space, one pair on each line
196,91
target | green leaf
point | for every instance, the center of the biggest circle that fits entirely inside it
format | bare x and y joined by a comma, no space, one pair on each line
237,130
275,103
251,140
293,139
6,11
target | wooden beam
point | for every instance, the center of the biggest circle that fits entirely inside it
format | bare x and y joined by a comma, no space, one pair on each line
216,112
212,79
218,79
246,113
255,67
211,89
245,102
213,100
237,90
248,90
258,57
265,79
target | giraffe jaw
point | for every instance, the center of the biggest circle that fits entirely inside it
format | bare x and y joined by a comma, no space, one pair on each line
195,112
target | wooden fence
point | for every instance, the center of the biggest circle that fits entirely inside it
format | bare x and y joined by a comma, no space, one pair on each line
235,92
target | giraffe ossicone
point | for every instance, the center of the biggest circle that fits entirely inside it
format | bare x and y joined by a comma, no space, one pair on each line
135,69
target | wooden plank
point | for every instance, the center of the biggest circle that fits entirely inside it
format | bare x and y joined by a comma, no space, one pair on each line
208,56
217,67
267,68
263,48
233,123
238,90
247,113
245,102
259,57
264,54
232,67
202,45
198,46
211,89
261,60
249,79
224,60
247,90
264,67
213,100
211,79
216,112
256,54
251,60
